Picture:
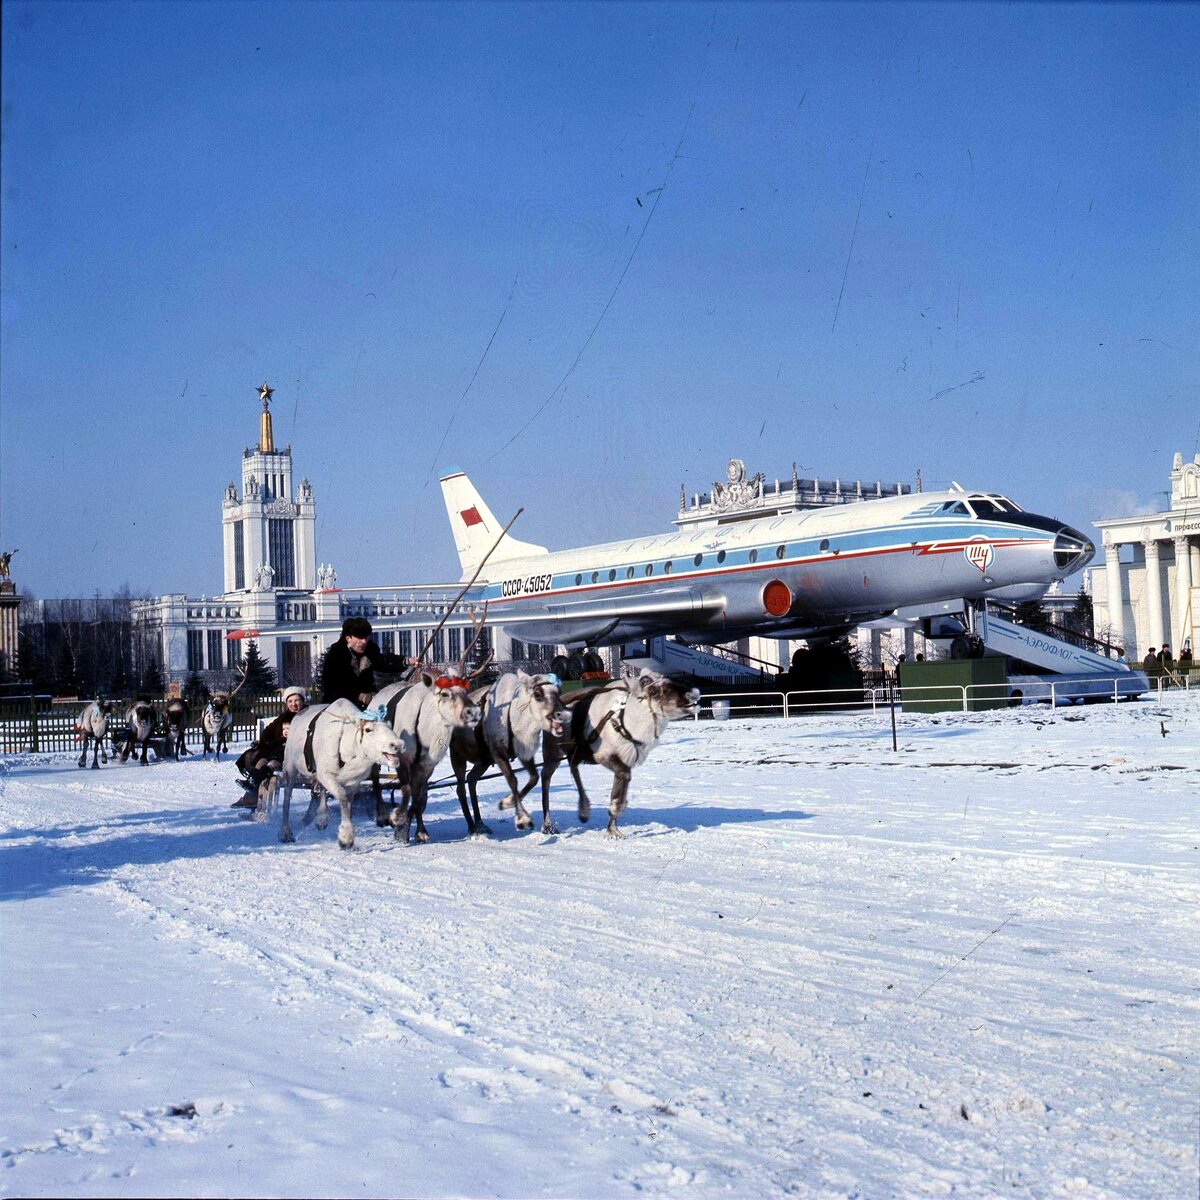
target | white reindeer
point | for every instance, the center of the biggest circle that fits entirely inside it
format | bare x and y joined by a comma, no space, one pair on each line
93,723
615,726
334,747
424,715
140,722
517,709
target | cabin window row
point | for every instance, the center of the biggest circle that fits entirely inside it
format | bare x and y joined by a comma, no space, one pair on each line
669,565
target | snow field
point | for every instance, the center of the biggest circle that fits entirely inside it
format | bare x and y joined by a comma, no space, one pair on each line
813,967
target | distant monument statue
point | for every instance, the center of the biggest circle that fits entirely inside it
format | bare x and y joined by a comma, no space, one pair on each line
10,605
263,578
327,577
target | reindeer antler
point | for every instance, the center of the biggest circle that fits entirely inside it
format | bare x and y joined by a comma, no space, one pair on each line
478,626
245,676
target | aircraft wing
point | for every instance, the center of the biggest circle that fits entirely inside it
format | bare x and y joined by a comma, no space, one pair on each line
588,619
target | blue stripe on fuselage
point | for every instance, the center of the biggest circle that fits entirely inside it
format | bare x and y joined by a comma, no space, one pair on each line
857,543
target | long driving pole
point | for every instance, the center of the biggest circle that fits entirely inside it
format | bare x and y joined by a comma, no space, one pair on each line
466,588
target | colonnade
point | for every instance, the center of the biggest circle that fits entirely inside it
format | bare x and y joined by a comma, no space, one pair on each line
1187,573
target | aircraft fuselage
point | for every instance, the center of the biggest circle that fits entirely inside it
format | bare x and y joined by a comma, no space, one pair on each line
784,575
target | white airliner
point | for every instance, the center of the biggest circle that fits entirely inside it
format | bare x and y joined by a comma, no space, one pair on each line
782,574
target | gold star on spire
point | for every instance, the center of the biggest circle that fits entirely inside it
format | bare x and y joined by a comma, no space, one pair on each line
266,438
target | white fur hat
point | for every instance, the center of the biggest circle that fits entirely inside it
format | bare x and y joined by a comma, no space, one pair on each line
293,691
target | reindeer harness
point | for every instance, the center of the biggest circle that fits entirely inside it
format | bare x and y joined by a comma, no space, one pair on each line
310,759
614,716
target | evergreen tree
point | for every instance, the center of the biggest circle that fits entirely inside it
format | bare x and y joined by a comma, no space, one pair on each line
260,675
1082,617
152,683
318,673
194,691
1031,614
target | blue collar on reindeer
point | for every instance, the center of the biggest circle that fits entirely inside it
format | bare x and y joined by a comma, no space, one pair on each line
374,714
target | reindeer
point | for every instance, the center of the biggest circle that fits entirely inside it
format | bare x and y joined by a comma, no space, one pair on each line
217,719
424,714
334,747
176,724
93,723
140,721
517,709
615,726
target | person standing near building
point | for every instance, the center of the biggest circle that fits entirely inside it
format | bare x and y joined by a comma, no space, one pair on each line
351,662
1150,662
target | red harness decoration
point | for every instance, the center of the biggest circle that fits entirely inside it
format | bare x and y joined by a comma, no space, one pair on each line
450,681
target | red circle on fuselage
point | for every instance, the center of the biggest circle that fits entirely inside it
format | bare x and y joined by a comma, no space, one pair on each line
777,598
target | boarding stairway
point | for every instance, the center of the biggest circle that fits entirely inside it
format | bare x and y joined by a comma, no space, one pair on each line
682,662
1072,654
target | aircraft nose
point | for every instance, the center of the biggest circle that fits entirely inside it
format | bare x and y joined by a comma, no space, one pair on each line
1072,550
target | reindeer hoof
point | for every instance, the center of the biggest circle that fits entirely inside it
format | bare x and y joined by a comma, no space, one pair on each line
585,813
422,836
481,830
524,821
95,766
259,816
549,826
612,830
323,823
507,803
286,835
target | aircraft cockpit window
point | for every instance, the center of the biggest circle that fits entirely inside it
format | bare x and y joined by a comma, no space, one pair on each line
955,508
985,506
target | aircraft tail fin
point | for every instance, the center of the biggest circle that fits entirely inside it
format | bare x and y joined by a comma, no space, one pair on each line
475,528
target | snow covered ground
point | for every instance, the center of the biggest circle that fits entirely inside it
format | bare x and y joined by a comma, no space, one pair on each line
814,967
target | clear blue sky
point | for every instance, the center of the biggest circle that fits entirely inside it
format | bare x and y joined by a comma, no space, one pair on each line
871,238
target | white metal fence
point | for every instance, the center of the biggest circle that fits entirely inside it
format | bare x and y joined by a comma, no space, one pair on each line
965,698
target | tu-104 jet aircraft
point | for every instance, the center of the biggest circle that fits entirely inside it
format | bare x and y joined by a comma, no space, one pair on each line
759,570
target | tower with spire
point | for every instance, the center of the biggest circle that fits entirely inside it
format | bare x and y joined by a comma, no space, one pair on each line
270,528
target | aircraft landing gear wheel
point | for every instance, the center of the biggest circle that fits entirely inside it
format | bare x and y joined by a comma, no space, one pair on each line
576,665
966,646
561,666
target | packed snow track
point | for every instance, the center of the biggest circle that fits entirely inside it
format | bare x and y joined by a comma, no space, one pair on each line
813,967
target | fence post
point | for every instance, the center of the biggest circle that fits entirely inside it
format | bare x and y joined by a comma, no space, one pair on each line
33,724
964,692
785,706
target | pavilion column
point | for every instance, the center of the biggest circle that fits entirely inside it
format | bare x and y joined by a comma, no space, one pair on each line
1181,626
1154,594
1116,597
